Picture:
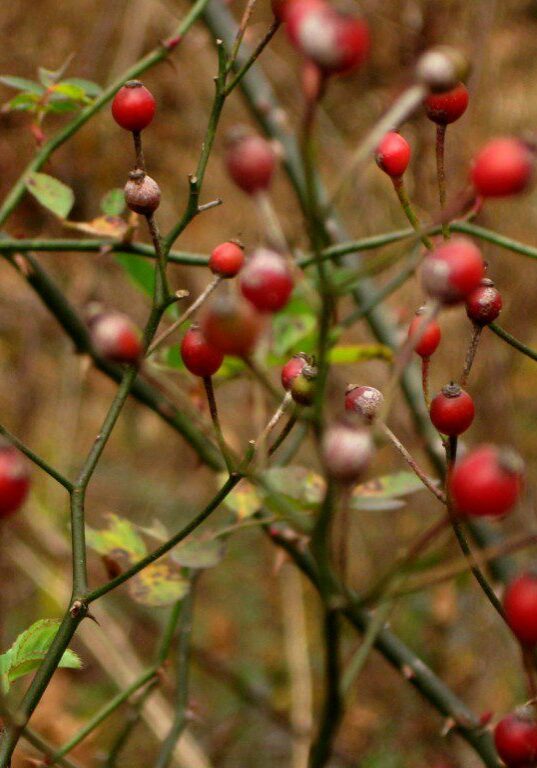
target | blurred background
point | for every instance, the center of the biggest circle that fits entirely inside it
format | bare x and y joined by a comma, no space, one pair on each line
252,609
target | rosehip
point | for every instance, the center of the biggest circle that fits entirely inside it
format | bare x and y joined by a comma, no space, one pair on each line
520,606
292,368
346,452
487,481
484,304
336,42
266,280
303,385
444,108
250,161
367,401
198,356
14,479
226,259
231,325
453,270
393,154
452,410
515,738
503,167
142,193
133,107
115,337
430,338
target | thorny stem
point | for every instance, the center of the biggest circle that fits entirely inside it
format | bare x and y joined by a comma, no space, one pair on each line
283,434
161,292
213,410
425,367
406,205
471,352
253,57
425,479
241,30
67,484
441,175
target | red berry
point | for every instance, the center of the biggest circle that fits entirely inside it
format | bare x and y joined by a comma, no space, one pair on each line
14,480
231,325
280,8
453,270
515,738
430,338
336,42
198,356
393,154
115,337
520,606
142,193
226,259
367,401
292,368
487,481
445,108
484,304
133,107
346,452
303,385
503,167
250,161
266,280
452,410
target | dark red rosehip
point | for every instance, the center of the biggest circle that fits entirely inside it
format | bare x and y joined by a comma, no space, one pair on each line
142,193
445,108
393,154
231,325
266,280
502,167
366,401
198,356
515,738
484,304
303,385
115,337
453,270
280,8
14,479
336,42
487,482
430,338
226,259
520,606
452,410
292,368
250,161
133,107
347,451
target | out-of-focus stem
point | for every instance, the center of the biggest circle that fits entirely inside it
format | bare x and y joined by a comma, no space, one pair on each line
470,354
441,175
406,205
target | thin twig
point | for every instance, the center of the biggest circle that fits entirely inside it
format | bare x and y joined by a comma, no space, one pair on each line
470,353
427,481
213,409
441,175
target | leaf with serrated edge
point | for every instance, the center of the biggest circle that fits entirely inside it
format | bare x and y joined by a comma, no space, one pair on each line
30,648
54,195
119,537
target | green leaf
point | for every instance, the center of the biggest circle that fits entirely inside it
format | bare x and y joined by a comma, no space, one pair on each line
244,501
290,330
355,353
22,102
5,661
51,193
69,90
297,483
140,271
21,84
58,106
390,486
90,88
199,553
113,203
158,585
119,540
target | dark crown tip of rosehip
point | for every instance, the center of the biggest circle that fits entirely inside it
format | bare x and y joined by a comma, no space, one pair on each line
451,389
441,68
133,84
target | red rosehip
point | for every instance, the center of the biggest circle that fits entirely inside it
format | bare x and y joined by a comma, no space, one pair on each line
336,42
115,337
266,280
226,259
303,385
346,451
231,325
453,270
452,410
520,606
484,304
430,338
133,107
515,738
367,401
487,482
292,368
445,108
198,356
14,479
280,8
142,193
393,155
250,161
503,167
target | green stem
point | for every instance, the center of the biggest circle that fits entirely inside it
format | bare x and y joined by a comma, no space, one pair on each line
441,175
213,409
358,661
406,205
253,56
67,484
499,331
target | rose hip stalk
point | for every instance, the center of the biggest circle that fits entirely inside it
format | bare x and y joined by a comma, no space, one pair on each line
483,306
426,345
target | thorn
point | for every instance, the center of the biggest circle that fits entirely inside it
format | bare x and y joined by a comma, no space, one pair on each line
407,672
